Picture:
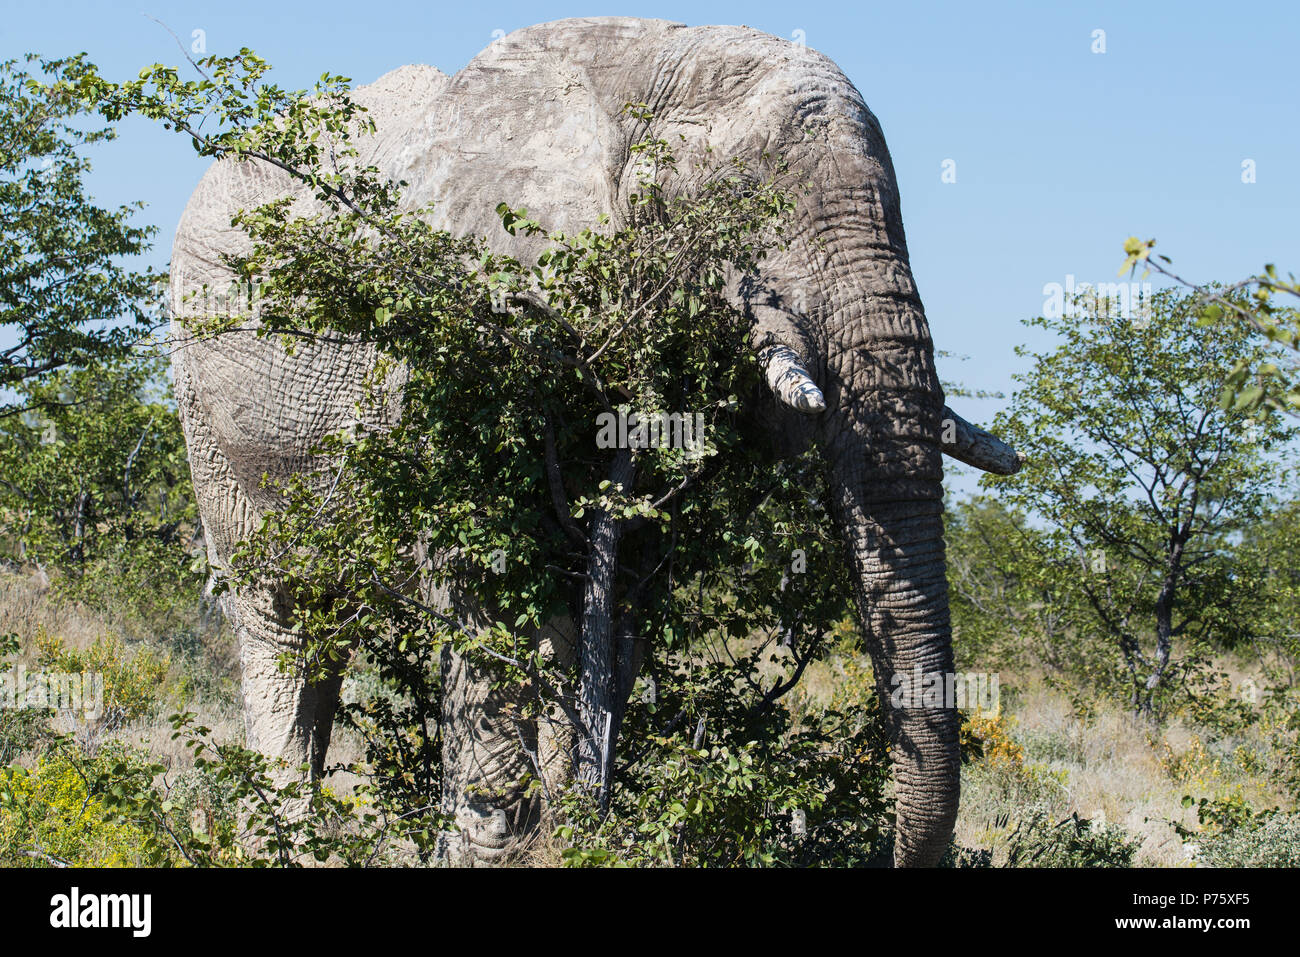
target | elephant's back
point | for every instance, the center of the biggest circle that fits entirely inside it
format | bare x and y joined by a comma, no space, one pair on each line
263,408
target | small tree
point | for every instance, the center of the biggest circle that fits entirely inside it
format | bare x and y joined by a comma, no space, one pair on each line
1007,608
66,299
92,463
1268,574
94,483
1142,475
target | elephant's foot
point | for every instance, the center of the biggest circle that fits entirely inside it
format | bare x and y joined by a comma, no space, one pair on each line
487,835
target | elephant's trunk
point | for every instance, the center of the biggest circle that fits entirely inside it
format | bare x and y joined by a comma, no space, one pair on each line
901,590
882,431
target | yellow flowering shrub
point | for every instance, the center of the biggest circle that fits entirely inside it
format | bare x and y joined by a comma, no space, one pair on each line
133,678
47,816
991,730
1193,766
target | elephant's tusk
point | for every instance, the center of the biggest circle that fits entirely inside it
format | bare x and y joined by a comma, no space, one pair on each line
972,445
790,380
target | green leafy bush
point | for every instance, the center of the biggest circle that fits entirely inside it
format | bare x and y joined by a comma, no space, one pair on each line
133,678
738,785
1231,833
1272,842
967,857
1073,842
53,814
97,487
21,730
115,807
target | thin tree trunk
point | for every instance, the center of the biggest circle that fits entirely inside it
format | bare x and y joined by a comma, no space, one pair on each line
1164,627
597,651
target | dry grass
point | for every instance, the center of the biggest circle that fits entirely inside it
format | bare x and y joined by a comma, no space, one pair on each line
1109,767
27,604
202,674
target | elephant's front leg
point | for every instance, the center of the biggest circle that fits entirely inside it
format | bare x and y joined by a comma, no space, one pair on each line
488,753
285,715
500,768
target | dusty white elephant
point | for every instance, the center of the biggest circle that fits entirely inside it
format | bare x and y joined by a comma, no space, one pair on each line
536,119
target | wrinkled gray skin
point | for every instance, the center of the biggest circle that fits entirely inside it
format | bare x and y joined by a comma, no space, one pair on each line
535,120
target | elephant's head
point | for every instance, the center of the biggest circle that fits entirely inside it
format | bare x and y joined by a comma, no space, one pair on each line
842,333
846,345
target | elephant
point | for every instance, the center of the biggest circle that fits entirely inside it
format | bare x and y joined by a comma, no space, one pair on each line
537,118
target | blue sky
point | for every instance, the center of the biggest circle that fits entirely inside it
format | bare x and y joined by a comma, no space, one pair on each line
1060,152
